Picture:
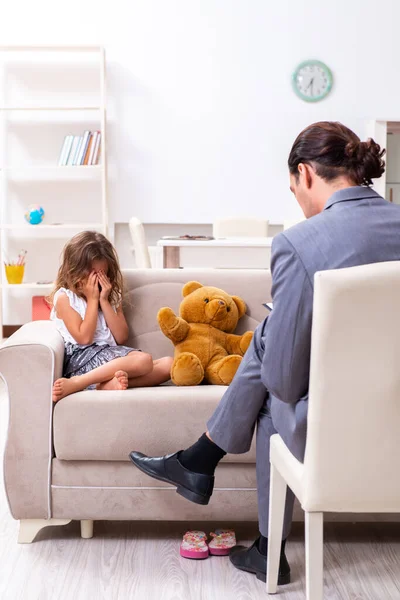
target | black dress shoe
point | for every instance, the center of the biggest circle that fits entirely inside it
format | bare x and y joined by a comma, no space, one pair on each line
252,561
195,487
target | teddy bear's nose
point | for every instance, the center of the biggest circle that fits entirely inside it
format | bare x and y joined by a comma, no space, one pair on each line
221,302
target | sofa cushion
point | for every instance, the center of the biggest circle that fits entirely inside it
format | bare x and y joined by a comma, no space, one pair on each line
107,425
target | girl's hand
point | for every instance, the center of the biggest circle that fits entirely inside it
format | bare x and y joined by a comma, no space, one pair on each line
91,287
106,286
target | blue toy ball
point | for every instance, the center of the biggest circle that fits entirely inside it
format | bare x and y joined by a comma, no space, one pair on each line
34,215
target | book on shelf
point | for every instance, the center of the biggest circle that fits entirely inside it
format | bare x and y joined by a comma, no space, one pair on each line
92,147
88,149
96,152
75,143
68,151
80,150
83,148
65,150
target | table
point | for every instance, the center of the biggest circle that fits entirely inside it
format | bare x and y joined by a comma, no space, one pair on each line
228,253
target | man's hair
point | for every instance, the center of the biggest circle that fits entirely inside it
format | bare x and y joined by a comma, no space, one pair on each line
333,150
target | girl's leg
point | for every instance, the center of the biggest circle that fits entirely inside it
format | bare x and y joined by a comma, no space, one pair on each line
160,374
135,364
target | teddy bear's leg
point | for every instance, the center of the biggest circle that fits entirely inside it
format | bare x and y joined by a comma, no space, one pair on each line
222,371
187,369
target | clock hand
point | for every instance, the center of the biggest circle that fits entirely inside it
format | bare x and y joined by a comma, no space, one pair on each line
310,84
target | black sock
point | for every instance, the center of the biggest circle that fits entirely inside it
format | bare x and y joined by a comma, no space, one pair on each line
202,457
262,545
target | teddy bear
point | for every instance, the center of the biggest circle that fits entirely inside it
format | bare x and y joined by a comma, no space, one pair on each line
205,347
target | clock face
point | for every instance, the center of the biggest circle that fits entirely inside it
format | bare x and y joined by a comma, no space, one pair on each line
312,81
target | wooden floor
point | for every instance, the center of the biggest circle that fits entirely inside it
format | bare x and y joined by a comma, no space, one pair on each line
140,561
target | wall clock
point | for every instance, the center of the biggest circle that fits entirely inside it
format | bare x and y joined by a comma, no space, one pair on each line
312,80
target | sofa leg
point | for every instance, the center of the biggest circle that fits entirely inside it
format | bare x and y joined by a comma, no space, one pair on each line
86,529
28,528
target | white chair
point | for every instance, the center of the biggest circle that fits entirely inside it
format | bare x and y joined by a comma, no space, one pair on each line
352,455
289,224
240,227
140,248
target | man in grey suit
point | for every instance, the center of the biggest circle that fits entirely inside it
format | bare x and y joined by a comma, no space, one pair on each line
347,224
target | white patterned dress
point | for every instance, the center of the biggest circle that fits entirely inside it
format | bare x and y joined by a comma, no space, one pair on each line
80,359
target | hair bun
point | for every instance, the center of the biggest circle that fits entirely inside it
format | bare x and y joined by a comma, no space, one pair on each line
354,151
364,159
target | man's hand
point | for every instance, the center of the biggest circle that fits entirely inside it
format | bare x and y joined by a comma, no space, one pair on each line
106,286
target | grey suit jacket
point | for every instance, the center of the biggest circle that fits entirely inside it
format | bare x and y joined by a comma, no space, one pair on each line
356,227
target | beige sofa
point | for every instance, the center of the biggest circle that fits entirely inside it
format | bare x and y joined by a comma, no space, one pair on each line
70,461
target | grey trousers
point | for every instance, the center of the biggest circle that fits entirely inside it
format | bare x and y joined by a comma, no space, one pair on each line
231,427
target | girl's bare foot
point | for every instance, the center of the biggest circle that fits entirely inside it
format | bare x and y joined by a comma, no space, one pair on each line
118,382
63,387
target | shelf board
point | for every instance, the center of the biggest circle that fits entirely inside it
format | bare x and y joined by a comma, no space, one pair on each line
52,167
48,108
51,48
34,286
43,172
53,227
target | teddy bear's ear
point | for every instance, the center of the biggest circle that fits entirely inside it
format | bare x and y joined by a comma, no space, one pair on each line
190,287
241,306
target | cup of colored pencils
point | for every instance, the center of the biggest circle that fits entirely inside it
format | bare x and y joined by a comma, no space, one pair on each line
15,270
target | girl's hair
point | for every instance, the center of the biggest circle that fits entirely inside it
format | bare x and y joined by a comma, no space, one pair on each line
77,259
334,150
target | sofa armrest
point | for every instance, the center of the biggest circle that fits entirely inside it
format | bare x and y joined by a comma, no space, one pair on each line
30,360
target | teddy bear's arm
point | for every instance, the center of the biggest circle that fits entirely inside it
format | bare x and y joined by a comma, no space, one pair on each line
173,327
238,344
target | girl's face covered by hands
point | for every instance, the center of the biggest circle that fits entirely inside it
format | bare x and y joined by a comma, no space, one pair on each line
100,268
96,284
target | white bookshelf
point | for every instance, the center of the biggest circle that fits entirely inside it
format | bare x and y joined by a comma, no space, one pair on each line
19,174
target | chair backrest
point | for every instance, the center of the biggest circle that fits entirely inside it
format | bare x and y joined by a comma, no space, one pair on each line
142,255
240,227
289,224
353,439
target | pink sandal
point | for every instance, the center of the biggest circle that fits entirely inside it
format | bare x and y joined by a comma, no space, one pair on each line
222,543
194,545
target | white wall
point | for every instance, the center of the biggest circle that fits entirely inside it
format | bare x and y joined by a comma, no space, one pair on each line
201,110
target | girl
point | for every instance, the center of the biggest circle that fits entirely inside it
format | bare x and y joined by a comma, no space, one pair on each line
87,310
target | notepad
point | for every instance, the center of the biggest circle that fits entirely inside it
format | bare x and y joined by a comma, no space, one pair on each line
201,238
268,305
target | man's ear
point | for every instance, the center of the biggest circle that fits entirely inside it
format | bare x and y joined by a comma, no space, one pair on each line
307,173
190,287
241,306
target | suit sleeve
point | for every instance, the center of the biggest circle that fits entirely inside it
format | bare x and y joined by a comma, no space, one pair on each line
286,362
